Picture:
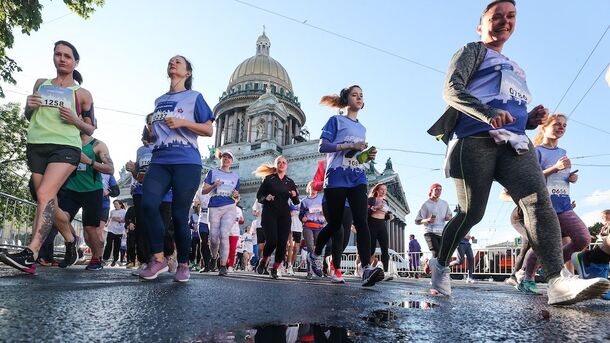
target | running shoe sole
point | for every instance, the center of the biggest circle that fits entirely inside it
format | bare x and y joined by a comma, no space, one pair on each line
10,262
337,281
154,276
594,291
376,276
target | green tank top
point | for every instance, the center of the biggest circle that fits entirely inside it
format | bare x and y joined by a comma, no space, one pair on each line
85,178
46,126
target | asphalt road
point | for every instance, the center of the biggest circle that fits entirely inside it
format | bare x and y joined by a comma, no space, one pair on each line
74,305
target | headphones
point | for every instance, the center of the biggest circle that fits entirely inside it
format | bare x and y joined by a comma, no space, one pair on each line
345,93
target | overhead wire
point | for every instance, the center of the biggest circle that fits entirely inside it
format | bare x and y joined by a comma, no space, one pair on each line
587,92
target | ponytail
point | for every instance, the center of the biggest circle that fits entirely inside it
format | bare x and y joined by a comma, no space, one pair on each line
338,101
77,77
265,170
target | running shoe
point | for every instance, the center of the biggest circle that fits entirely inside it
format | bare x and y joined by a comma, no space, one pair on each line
94,264
370,276
427,267
568,289
260,267
276,274
337,277
315,263
153,269
23,260
71,255
528,287
214,264
389,277
130,265
172,263
44,263
182,273
309,275
470,280
139,270
290,271
441,280
113,264
222,271
230,270
205,269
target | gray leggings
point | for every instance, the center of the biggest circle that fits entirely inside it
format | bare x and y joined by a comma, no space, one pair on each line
475,163
310,237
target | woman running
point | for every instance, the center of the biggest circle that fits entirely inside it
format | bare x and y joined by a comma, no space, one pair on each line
116,230
379,215
343,138
487,96
234,236
294,240
58,110
556,167
223,187
274,193
180,116
312,216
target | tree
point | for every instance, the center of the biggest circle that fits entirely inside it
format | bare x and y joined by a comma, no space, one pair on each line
26,14
14,175
595,229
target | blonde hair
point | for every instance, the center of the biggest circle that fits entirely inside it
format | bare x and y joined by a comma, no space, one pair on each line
309,189
267,169
375,190
548,122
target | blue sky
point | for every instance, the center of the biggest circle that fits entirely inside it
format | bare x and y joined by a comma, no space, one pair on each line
125,47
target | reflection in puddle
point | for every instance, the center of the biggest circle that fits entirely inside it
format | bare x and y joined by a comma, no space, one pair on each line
423,305
379,316
292,333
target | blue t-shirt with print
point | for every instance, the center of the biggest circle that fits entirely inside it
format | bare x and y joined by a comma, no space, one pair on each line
557,183
487,86
143,158
221,195
178,146
342,168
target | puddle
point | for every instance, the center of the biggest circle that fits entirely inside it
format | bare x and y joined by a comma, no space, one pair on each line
291,333
422,305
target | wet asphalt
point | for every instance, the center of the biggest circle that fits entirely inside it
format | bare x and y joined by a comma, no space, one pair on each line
74,305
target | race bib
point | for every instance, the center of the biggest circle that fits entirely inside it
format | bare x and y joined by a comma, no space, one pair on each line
350,162
55,96
315,209
557,184
225,189
81,167
514,86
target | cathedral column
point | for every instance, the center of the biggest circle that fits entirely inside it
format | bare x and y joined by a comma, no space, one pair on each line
219,130
269,126
248,129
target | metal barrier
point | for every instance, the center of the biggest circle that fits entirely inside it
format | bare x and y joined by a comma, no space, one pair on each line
16,219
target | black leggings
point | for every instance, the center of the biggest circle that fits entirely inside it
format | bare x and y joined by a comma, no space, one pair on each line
142,243
434,242
113,244
277,229
195,251
205,248
335,201
340,236
475,163
131,247
379,233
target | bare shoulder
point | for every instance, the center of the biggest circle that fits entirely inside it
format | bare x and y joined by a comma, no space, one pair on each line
38,83
84,94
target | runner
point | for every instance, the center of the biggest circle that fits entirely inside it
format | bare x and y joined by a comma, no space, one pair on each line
116,230
204,233
312,216
433,214
274,193
58,110
223,186
343,140
248,247
195,257
480,114
180,116
378,216
234,236
294,240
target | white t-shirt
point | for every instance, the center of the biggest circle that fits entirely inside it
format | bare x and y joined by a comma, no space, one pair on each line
116,227
249,241
439,208
239,217
204,200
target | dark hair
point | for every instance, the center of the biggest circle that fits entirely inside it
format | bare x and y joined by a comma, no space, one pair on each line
188,83
75,74
340,100
121,204
493,3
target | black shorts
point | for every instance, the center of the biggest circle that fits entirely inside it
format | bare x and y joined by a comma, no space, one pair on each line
260,235
90,202
40,155
104,215
296,236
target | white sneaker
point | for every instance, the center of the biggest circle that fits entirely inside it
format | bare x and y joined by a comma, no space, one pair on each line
231,270
172,263
289,271
470,280
389,277
441,281
519,275
336,279
568,289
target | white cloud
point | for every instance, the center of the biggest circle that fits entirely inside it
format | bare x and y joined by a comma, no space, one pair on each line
591,217
598,198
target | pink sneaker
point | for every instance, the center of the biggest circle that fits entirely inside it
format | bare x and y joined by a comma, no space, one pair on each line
182,273
153,269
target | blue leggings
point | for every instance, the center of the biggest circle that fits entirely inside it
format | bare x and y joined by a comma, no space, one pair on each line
183,179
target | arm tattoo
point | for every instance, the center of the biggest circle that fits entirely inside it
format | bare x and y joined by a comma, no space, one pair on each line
106,158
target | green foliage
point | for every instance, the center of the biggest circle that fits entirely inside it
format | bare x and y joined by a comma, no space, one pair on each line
595,229
14,173
26,14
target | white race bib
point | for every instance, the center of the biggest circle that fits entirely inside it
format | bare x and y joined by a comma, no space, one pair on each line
55,96
514,86
350,162
315,209
226,188
557,184
81,167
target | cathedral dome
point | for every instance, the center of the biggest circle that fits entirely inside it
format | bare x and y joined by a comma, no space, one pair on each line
261,68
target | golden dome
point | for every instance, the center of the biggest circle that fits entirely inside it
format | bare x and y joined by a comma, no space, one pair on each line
261,67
